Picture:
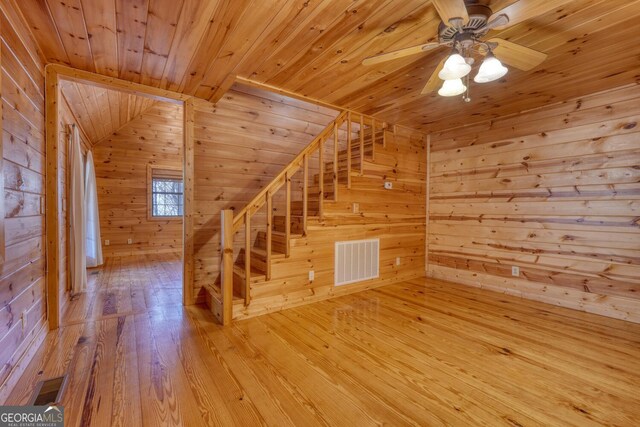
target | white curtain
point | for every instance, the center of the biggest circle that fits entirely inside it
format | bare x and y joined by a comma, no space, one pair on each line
76,216
92,218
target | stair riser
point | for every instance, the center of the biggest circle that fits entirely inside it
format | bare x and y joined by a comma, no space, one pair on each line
328,180
238,285
296,224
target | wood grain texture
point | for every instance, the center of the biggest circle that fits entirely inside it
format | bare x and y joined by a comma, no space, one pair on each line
153,138
22,272
423,352
316,49
101,112
554,191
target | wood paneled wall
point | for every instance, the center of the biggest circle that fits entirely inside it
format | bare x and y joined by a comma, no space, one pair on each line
241,144
22,275
555,191
100,111
121,162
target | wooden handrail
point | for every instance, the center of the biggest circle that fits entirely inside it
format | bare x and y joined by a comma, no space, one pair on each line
308,150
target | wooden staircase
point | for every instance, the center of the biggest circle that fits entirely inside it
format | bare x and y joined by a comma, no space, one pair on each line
301,191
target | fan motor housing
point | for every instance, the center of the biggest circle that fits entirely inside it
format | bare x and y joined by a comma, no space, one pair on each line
478,17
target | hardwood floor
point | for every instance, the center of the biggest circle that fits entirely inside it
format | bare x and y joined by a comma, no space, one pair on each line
415,353
126,286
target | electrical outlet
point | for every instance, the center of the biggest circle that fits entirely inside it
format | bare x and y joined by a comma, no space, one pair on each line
515,270
129,241
312,275
107,242
397,260
388,185
356,207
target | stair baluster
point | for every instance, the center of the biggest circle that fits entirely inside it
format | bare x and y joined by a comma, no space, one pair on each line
269,232
335,162
320,177
247,256
349,149
287,216
373,138
305,192
361,145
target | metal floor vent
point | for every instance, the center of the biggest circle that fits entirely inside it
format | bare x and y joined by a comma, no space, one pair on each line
49,391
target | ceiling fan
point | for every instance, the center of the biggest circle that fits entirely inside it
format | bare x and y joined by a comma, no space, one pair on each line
463,28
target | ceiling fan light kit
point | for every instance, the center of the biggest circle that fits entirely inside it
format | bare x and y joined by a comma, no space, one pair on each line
454,68
491,69
463,28
452,87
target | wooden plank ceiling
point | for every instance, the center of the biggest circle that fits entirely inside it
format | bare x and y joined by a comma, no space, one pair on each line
315,48
101,112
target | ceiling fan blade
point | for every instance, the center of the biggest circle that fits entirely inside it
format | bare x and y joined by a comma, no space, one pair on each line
434,81
383,57
526,9
451,9
516,55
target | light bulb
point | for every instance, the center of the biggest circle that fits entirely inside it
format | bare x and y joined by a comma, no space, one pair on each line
491,69
455,67
452,88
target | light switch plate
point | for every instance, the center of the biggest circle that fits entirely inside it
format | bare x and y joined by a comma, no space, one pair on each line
515,271
312,275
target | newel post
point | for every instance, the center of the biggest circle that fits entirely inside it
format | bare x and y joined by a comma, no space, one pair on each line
226,276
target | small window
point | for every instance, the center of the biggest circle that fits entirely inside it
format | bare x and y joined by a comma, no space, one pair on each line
166,193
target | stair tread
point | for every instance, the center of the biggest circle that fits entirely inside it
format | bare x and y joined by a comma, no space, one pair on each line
255,274
215,292
263,252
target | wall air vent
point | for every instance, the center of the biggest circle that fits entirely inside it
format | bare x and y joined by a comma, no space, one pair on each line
356,260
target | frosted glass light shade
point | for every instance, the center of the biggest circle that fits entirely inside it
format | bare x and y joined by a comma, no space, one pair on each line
491,69
455,67
452,88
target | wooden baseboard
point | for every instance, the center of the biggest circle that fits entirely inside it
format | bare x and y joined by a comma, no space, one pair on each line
141,252
32,347
605,305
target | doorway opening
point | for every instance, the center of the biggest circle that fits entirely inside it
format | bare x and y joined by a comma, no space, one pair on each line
121,158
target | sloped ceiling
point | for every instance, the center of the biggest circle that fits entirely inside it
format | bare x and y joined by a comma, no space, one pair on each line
101,112
314,48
